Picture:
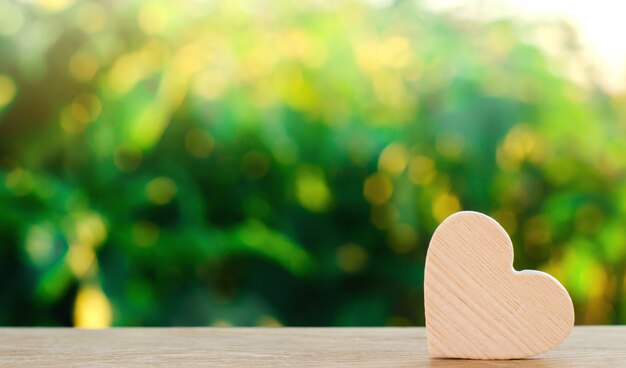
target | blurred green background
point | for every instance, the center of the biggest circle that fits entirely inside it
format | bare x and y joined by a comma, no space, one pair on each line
285,163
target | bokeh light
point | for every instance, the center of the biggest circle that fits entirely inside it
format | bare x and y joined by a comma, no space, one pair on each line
251,164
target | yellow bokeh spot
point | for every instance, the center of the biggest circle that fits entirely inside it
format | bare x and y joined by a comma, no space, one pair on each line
393,53
145,233
298,45
377,189
268,321
127,158
351,258
393,159
402,238
83,66
20,181
39,244
7,90
79,258
298,92
125,73
520,144
161,190
80,114
421,170
311,189
396,52
258,63
210,83
53,5
450,145
92,308
445,204
130,68
391,91
190,58
68,122
153,17
84,109
154,54
90,229
199,143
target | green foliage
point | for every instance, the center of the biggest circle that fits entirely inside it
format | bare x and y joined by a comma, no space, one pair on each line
187,163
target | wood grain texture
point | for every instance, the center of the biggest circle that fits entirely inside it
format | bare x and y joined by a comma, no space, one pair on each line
278,347
477,306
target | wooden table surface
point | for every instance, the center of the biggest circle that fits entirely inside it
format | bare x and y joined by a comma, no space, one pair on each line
277,347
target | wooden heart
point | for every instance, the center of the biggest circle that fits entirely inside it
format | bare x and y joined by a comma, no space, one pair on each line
477,306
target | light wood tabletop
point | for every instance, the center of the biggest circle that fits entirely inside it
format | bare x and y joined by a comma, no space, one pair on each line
277,347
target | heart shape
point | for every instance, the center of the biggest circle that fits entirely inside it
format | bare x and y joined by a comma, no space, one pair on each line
477,306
